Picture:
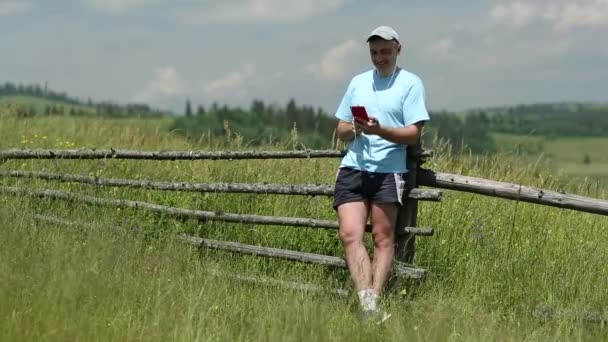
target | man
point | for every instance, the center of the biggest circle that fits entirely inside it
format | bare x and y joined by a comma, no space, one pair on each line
370,180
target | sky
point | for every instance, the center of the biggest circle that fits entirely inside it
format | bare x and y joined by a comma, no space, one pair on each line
468,53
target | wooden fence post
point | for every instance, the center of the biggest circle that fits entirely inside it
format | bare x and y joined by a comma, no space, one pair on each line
407,217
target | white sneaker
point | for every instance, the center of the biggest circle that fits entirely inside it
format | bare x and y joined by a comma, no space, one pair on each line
373,316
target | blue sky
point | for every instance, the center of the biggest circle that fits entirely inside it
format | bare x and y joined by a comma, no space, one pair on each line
469,53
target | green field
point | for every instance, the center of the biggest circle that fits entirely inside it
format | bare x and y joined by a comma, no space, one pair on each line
39,104
498,269
579,157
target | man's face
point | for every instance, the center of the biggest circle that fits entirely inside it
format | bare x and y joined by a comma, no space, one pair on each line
384,55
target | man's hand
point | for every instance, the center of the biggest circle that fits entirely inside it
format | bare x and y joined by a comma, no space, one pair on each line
354,127
368,127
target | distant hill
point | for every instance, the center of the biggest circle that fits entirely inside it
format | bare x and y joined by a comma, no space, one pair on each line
27,105
474,129
553,120
31,100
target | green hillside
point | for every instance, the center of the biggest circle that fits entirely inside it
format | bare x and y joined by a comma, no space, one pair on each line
553,120
38,105
31,100
28,106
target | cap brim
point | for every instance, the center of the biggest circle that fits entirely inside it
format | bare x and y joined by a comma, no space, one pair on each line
381,35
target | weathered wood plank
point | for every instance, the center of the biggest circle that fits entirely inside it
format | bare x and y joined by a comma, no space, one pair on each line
58,221
16,153
259,188
63,222
513,192
186,213
549,313
305,287
400,269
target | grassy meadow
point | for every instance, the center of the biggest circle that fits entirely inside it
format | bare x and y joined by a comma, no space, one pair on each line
498,270
577,157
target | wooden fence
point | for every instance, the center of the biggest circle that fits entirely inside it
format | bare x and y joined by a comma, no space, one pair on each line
406,228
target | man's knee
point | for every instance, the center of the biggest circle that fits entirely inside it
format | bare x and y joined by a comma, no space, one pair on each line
350,235
384,237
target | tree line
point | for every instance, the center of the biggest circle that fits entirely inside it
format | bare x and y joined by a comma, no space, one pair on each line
466,131
8,89
262,123
552,120
270,124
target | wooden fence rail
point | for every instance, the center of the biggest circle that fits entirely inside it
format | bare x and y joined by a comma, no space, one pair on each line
190,213
213,244
174,155
400,269
511,191
423,178
257,188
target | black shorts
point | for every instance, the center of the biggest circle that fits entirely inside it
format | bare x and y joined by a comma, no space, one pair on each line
355,185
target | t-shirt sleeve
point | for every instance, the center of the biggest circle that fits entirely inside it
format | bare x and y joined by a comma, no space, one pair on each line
343,113
414,106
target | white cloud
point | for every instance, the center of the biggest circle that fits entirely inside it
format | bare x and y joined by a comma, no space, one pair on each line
260,10
231,83
115,6
12,7
165,84
579,13
516,13
201,12
334,64
441,49
560,14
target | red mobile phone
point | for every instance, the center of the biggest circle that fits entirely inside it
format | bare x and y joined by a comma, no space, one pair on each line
359,112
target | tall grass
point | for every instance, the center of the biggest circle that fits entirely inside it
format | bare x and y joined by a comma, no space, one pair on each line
498,269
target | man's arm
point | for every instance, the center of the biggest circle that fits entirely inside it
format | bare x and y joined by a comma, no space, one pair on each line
408,135
345,131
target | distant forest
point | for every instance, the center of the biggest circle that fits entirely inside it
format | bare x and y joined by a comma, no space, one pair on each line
66,105
552,120
471,130
260,124
313,128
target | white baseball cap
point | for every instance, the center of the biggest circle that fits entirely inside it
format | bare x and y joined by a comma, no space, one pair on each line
384,32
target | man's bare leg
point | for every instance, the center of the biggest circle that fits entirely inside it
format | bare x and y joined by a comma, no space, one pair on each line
352,217
384,217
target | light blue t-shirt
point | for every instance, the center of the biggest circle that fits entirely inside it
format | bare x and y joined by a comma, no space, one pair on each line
398,104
